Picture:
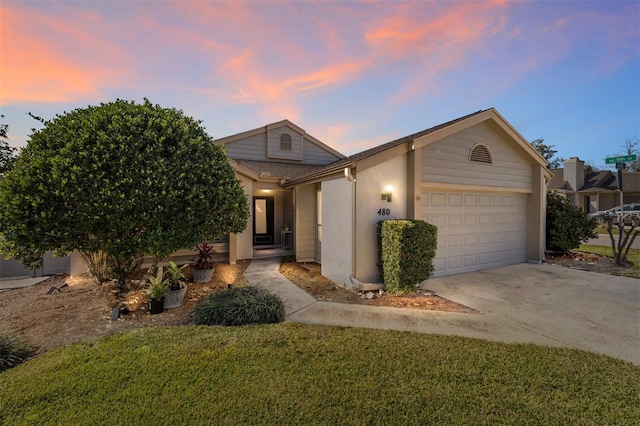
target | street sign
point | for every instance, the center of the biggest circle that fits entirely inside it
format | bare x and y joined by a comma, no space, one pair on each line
621,159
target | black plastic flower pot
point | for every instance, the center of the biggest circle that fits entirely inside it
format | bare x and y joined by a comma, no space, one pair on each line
156,306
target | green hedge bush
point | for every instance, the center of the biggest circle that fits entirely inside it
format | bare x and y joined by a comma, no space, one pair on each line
240,306
13,351
567,225
406,249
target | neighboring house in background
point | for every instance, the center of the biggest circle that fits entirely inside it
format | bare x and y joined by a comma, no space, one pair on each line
476,178
594,190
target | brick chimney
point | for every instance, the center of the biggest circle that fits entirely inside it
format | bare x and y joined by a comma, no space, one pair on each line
574,173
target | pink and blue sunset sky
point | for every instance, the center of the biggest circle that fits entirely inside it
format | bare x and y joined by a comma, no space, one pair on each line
352,74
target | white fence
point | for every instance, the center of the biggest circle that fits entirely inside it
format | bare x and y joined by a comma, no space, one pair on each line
51,265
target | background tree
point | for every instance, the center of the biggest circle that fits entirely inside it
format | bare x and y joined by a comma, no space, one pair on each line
567,225
548,153
628,224
7,153
126,179
631,147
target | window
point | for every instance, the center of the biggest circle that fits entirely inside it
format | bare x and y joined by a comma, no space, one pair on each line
285,142
480,154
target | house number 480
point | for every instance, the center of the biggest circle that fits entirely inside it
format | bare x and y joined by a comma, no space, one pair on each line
384,212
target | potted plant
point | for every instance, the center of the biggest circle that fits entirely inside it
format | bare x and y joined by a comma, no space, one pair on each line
203,268
177,287
157,289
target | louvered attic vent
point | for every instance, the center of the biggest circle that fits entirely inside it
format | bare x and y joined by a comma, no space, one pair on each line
480,154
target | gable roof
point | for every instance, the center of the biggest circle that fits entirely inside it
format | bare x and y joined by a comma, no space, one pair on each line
597,181
277,170
264,129
405,144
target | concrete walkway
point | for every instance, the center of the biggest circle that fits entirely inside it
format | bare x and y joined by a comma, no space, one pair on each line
488,323
19,282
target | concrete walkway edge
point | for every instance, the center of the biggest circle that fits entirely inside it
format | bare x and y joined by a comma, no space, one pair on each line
303,308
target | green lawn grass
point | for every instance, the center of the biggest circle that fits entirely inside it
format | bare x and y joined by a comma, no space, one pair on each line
603,230
300,374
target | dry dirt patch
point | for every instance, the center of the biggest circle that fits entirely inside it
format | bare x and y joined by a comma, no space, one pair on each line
307,276
586,262
82,309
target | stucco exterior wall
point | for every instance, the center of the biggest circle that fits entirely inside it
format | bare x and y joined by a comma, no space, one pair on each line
370,209
337,230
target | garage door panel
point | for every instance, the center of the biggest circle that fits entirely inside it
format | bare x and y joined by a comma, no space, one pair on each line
454,199
454,220
470,200
454,263
454,241
470,219
437,199
484,238
438,219
484,200
476,230
470,260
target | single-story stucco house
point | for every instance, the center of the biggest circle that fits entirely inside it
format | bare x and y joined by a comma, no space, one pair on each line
594,190
476,178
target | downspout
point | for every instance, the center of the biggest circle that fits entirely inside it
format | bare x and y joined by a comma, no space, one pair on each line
352,181
355,284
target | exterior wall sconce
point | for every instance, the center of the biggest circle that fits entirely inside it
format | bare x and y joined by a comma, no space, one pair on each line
386,193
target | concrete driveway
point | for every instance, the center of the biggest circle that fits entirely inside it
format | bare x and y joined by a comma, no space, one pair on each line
585,310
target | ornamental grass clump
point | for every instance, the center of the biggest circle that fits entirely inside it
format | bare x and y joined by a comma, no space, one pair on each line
13,351
240,306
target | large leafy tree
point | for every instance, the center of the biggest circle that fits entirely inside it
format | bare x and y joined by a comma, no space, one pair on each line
7,153
123,178
548,153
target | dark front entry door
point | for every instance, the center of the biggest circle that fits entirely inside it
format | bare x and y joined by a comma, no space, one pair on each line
263,221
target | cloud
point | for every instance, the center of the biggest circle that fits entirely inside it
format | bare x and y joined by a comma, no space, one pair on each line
427,39
49,59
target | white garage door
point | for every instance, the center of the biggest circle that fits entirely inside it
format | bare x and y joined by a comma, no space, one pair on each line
476,230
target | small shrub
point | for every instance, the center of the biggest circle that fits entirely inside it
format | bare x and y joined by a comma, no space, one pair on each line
240,306
567,225
13,351
406,249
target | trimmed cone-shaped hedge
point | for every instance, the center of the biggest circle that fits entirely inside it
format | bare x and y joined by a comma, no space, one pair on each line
406,249
240,306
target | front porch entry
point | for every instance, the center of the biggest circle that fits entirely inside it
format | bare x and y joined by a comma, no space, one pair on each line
273,216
